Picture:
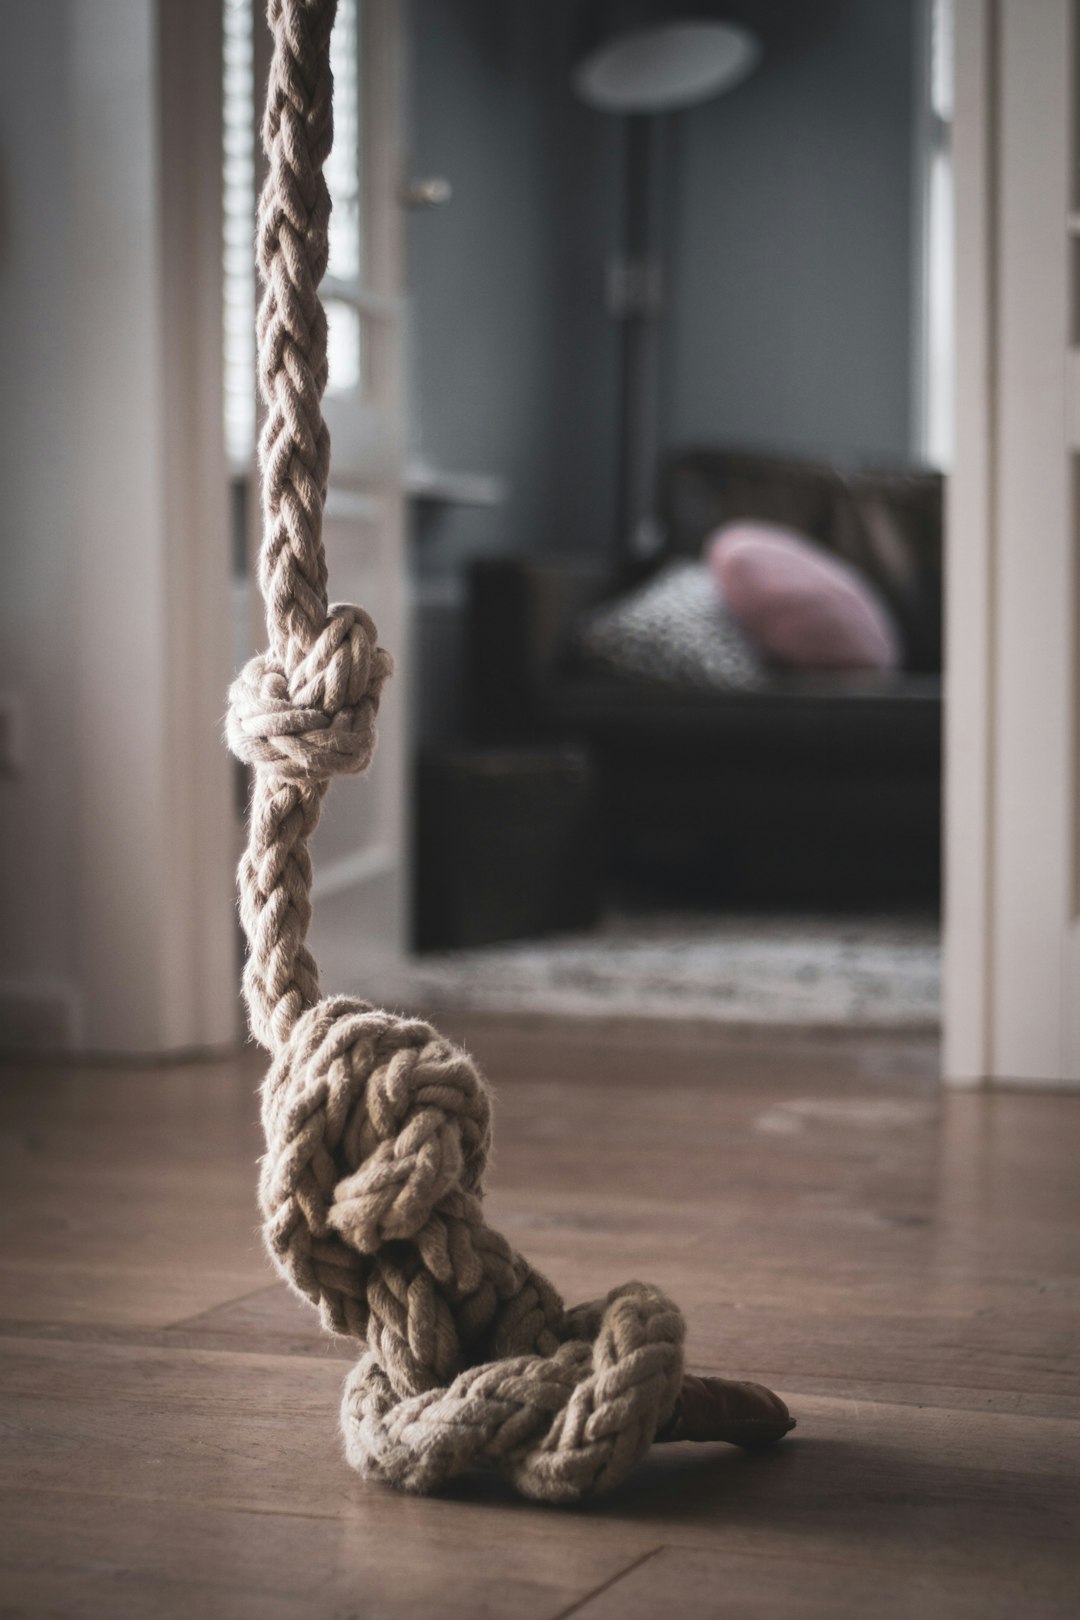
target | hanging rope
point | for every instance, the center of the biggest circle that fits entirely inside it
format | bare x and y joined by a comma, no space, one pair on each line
377,1128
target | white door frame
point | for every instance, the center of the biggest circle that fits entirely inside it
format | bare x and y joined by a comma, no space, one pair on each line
1012,806
155,960
155,937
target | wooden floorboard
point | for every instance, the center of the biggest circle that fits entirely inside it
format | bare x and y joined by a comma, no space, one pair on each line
903,1265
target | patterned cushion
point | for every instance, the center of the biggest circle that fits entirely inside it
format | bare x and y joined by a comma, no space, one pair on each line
673,631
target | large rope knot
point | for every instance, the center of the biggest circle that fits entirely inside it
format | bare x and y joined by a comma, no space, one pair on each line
319,720
377,1135
374,1125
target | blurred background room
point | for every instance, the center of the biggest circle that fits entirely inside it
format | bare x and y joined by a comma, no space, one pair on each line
654,300
703,387
643,396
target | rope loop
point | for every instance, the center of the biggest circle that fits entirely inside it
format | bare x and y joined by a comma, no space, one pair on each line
563,1426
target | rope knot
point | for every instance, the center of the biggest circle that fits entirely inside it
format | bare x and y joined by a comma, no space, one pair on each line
318,721
372,1123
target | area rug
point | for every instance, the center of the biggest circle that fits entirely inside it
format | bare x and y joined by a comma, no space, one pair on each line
796,971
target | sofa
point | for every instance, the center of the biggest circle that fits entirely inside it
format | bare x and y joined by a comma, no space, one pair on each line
812,791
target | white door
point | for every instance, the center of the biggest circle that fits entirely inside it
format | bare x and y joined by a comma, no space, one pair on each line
1012,982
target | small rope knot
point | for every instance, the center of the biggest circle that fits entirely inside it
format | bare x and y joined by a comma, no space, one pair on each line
318,721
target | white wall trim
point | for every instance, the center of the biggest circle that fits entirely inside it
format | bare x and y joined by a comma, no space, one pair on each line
920,234
1034,543
1012,948
969,559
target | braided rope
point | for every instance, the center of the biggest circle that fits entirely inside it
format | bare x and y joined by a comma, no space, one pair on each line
377,1128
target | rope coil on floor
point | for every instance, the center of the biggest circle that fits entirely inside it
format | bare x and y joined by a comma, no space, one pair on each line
378,1128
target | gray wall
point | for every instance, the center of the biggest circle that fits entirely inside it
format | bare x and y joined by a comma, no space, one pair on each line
790,325
791,312
513,360
513,363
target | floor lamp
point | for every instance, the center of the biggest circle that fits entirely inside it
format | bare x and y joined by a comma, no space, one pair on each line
644,62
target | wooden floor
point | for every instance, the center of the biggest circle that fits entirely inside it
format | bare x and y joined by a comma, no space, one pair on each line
903,1267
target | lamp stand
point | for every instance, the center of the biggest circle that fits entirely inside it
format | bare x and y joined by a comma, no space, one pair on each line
636,298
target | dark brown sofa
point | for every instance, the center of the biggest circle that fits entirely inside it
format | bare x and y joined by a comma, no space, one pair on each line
814,791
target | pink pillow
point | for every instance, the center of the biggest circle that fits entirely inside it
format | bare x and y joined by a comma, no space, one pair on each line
802,605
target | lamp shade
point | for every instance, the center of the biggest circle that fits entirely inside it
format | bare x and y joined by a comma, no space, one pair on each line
641,58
